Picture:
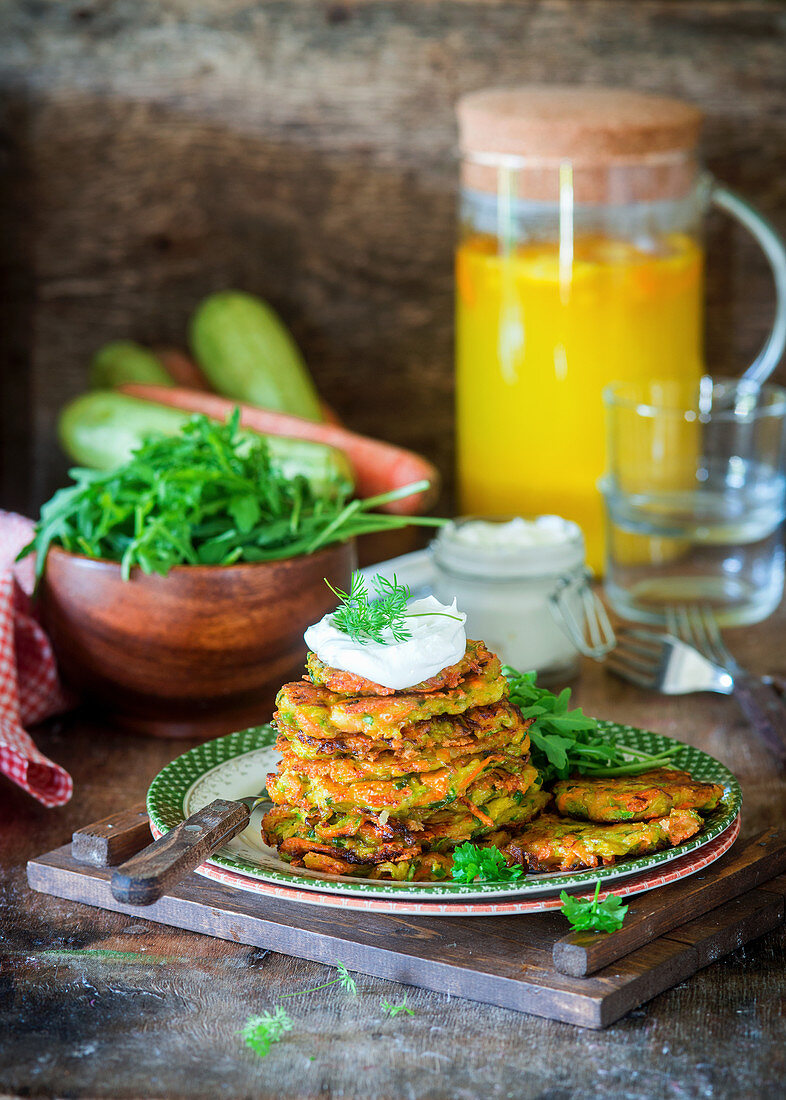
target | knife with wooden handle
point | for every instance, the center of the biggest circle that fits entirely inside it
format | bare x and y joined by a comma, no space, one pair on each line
148,875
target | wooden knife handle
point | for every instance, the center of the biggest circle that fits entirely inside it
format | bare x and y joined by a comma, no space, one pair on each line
148,875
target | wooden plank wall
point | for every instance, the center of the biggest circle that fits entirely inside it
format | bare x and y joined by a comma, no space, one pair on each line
154,150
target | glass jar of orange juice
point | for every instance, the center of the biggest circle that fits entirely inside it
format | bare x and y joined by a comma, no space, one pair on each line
580,263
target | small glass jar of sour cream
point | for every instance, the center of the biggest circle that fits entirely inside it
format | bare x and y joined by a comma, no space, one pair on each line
523,584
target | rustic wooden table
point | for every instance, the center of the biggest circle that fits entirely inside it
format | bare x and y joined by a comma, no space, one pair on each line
94,1004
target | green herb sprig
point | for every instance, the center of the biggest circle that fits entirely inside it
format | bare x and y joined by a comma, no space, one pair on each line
593,915
393,1010
212,495
472,863
568,741
260,1032
344,979
380,617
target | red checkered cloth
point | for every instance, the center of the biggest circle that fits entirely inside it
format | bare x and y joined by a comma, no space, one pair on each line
29,686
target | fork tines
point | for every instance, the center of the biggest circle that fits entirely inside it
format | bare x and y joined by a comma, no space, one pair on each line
696,624
639,657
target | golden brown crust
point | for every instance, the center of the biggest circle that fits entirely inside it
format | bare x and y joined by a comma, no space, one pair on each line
553,843
319,712
347,683
643,797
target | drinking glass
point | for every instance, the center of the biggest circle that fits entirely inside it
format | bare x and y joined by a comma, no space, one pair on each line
695,498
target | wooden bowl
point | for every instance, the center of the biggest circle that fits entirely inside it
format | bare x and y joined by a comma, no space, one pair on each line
198,653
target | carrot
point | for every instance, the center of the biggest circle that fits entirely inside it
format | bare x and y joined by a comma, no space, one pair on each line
476,811
379,467
182,370
329,414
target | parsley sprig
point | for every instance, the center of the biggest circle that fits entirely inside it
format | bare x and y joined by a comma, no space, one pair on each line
472,863
212,495
377,617
568,741
593,915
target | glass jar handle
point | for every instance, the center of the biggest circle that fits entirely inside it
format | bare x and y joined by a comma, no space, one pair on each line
591,633
772,246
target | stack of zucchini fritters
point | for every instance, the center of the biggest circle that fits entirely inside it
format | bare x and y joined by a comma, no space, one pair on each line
383,783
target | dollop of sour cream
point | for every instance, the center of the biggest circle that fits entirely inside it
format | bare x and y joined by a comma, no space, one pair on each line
516,534
436,641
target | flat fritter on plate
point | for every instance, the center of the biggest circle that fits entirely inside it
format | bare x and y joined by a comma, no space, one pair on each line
555,843
347,683
319,712
479,729
641,797
362,843
473,778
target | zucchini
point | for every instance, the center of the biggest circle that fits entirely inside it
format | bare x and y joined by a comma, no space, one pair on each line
248,354
101,429
124,361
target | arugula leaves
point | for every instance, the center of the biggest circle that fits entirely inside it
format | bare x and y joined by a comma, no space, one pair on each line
593,915
474,864
568,741
212,495
381,619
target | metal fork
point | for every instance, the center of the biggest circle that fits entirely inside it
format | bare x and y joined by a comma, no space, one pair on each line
697,626
661,662
665,663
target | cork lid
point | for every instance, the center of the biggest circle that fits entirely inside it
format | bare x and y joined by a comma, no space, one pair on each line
586,125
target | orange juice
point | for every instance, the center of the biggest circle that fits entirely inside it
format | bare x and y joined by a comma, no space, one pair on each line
540,333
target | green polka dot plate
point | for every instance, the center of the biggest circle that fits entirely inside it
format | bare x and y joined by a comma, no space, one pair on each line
237,765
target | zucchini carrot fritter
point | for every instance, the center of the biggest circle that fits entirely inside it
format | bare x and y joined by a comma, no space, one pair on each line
384,783
553,843
643,797
320,712
475,657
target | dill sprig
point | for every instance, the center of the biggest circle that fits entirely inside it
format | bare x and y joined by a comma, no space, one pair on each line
393,1010
260,1032
344,979
380,617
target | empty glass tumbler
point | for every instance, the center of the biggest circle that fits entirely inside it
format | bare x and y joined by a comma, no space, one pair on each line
695,498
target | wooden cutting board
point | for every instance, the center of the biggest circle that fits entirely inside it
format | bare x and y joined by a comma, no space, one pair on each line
527,962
